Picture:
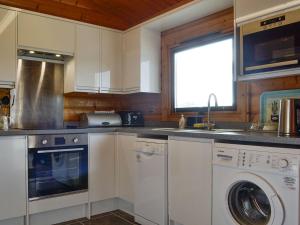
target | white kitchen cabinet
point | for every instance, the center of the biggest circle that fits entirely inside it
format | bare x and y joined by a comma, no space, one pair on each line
246,10
83,70
190,180
111,62
141,55
8,58
125,166
13,177
45,34
101,166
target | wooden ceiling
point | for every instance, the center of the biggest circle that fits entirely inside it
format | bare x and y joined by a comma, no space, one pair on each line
118,14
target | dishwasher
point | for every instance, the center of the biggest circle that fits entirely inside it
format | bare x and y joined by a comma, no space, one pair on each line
150,204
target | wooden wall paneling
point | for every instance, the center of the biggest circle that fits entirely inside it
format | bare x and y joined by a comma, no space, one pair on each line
221,23
257,87
77,103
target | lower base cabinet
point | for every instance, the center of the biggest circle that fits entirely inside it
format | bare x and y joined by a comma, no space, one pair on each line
101,166
125,166
13,177
190,181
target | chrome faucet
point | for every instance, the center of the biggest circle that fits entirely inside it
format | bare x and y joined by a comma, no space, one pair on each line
210,125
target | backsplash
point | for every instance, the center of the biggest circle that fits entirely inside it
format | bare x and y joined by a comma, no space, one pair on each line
257,87
77,103
150,104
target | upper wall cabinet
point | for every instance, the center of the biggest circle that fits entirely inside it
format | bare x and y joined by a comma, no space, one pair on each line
45,34
7,48
111,62
83,70
245,9
141,68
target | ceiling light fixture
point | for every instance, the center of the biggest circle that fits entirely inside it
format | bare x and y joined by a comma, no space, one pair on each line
31,52
58,55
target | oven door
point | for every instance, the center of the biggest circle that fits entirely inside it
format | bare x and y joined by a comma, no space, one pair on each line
57,171
271,49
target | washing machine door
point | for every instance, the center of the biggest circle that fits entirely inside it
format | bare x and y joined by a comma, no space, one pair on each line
252,201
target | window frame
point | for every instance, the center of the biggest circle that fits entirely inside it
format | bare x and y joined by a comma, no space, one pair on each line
197,42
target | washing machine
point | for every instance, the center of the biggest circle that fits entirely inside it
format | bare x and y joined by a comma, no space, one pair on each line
255,185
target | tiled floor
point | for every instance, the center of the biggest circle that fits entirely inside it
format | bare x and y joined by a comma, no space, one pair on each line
117,217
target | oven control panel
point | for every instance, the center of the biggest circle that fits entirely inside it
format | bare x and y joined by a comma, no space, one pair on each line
269,162
42,141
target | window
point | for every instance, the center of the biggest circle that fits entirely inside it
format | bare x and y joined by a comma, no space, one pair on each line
200,69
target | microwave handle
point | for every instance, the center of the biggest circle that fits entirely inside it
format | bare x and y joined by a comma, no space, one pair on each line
266,66
60,150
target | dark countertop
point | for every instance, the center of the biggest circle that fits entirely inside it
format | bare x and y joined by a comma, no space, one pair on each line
256,137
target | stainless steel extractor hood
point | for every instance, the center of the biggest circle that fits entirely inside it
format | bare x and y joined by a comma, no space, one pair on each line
37,100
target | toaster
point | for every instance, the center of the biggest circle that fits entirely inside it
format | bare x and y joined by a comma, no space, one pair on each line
100,119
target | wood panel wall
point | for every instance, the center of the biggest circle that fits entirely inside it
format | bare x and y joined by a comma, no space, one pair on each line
77,103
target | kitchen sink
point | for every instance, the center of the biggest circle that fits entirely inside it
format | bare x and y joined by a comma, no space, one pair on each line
198,130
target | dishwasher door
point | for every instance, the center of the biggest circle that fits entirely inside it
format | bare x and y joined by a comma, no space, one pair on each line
150,205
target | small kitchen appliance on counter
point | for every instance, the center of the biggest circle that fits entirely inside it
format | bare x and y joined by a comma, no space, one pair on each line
132,118
100,119
289,117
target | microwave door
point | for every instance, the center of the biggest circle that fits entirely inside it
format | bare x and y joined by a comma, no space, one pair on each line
273,49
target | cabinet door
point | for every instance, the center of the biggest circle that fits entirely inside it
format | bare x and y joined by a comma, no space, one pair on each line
13,177
246,7
150,61
7,47
132,60
111,62
190,181
45,34
87,58
126,162
102,166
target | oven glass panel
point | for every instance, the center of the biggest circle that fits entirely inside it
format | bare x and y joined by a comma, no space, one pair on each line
53,172
279,47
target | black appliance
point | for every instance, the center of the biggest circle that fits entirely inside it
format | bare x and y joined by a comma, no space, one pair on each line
57,165
271,45
132,118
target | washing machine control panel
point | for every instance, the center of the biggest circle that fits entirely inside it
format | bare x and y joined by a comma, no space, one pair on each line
269,162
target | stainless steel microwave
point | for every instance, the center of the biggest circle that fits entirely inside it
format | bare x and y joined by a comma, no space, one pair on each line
271,45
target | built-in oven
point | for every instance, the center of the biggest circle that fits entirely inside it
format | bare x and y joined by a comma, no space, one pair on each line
57,165
271,45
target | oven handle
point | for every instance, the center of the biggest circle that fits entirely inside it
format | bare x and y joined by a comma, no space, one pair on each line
60,150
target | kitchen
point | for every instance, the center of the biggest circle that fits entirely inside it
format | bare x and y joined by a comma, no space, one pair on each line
115,112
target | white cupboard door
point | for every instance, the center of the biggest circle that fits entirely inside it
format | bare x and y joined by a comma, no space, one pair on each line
111,62
102,167
7,47
150,61
87,58
13,177
246,8
45,34
190,181
132,60
126,168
